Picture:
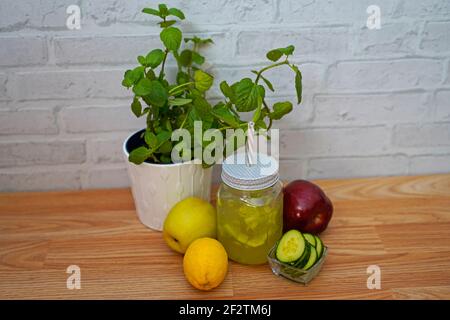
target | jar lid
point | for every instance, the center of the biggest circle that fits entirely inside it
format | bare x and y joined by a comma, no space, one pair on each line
238,174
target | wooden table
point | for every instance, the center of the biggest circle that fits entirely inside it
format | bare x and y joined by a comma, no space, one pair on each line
401,224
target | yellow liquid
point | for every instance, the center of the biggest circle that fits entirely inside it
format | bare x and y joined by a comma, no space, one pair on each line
249,223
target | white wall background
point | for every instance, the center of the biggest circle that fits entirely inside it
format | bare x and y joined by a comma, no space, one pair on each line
377,102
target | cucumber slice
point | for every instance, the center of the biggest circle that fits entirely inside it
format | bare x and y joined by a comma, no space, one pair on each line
304,258
310,238
291,246
319,247
312,259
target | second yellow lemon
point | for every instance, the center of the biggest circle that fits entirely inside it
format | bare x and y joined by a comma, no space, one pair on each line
205,263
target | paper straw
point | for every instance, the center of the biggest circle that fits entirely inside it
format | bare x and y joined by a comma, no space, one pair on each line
251,144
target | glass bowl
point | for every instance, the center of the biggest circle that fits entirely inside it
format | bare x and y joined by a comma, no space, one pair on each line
294,273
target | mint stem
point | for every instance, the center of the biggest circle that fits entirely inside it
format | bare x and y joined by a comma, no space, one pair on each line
174,89
245,124
185,118
266,107
161,73
258,76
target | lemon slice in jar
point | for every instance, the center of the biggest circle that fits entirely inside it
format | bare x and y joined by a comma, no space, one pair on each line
235,234
257,241
243,238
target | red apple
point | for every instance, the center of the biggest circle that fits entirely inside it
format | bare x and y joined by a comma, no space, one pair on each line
306,207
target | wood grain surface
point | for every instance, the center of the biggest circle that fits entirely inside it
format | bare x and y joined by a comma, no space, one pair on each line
401,224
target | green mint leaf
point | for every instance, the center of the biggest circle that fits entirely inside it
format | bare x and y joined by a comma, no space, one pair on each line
177,13
202,112
163,136
222,112
165,159
247,93
260,124
146,110
268,84
166,147
280,109
274,55
142,88
182,77
153,91
151,75
154,58
206,41
158,129
150,139
139,155
257,113
198,40
136,107
179,102
288,50
185,58
137,73
171,37
202,106
127,82
165,83
266,81
165,24
227,91
203,81
169,125
191,117
298,84
197,58
195,40
151,11
142,60
158,94
163,10
131,77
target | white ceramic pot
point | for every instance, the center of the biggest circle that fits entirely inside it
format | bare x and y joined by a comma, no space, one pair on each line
156,188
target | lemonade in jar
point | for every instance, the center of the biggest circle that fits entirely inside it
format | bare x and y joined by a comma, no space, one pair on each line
249,208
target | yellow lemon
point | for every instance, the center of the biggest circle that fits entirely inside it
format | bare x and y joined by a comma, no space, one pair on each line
205,263
190,219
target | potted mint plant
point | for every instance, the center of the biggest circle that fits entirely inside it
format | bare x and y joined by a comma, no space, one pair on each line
157,182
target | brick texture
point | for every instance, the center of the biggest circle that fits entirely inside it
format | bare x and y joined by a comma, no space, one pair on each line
28,121
20,153
22,51
436,38
375,102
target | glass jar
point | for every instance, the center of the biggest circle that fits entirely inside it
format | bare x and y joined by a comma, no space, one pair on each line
249,209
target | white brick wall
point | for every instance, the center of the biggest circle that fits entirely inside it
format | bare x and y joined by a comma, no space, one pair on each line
384,75
23,153
27,51
376,102
315,42
334,142
28,121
